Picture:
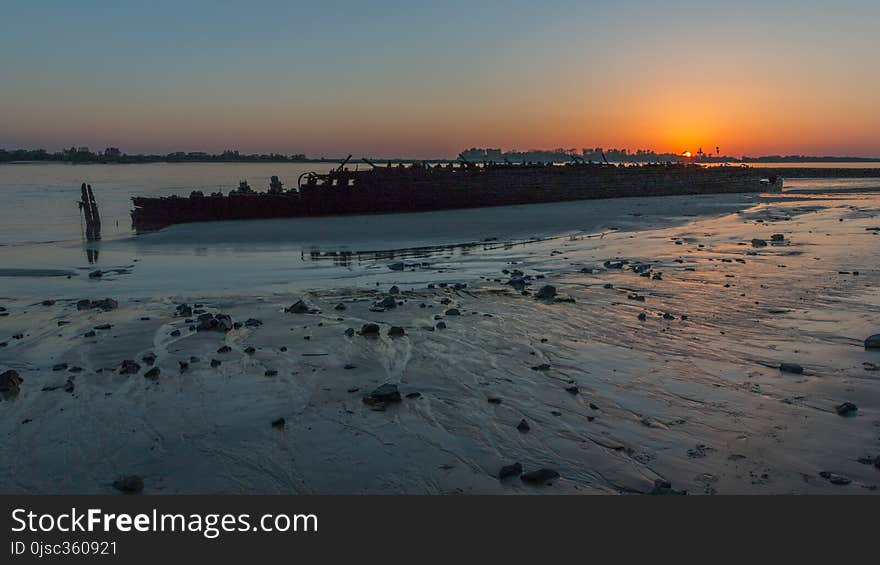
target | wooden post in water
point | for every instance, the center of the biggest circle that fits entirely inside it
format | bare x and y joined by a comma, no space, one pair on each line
89,208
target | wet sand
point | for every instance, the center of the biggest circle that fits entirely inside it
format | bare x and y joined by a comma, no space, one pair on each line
692,394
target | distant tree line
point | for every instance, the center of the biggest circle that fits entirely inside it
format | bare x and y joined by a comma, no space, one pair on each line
115,155
599,155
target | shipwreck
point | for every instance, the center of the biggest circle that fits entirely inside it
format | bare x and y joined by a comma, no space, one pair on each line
420,187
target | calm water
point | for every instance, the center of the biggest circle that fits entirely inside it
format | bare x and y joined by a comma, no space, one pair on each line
40,229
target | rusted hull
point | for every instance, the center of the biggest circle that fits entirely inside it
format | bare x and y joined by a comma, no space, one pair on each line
416,189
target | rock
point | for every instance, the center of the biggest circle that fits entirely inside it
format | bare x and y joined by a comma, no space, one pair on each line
252,323
270,373
642,316
664,488
370,330
394,290
508,471
441,325
759,243
175,333
384,394
387,303
540,476
777,237
396,331
414,395
215,323
103,327
96,274
453,312
131,484
129,367
10,384
339,306
546,292
493,400
183,366
105,304
349,332
183,311
250,350
791,368
152,374
846,409
149,358
215,363
396,266
573,390
298,307
224,349
48,303
541,367
834,478
668,316
59,367
279,423
873,342
523,426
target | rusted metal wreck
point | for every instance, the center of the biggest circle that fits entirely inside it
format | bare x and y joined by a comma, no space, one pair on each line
420,188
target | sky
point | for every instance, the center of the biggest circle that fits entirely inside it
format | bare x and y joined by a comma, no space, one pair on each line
424,78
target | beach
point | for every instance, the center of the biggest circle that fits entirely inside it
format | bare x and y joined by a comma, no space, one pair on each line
627,346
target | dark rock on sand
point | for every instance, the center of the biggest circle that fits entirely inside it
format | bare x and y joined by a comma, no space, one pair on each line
250,350
10,384
873,342
152,374
224,349
759,243
777,237
523,426
541,367
129,367
216,363
573,390
396,331
131,484
270,373
791,368
349,332
59,367
493,400
105,304
387,303
370,330
846,409
834,478
385,393
540,476
664,488
396,266
252,323
414,395
441,325
339,306
508,471
214,323
183,311
48,303
298,307
103,326
279,423
183,366
546,292
149,358
175,333
453,312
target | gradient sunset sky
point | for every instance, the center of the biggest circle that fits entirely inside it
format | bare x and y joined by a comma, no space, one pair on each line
429,78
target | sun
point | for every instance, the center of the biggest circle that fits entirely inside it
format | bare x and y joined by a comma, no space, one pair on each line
686,154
